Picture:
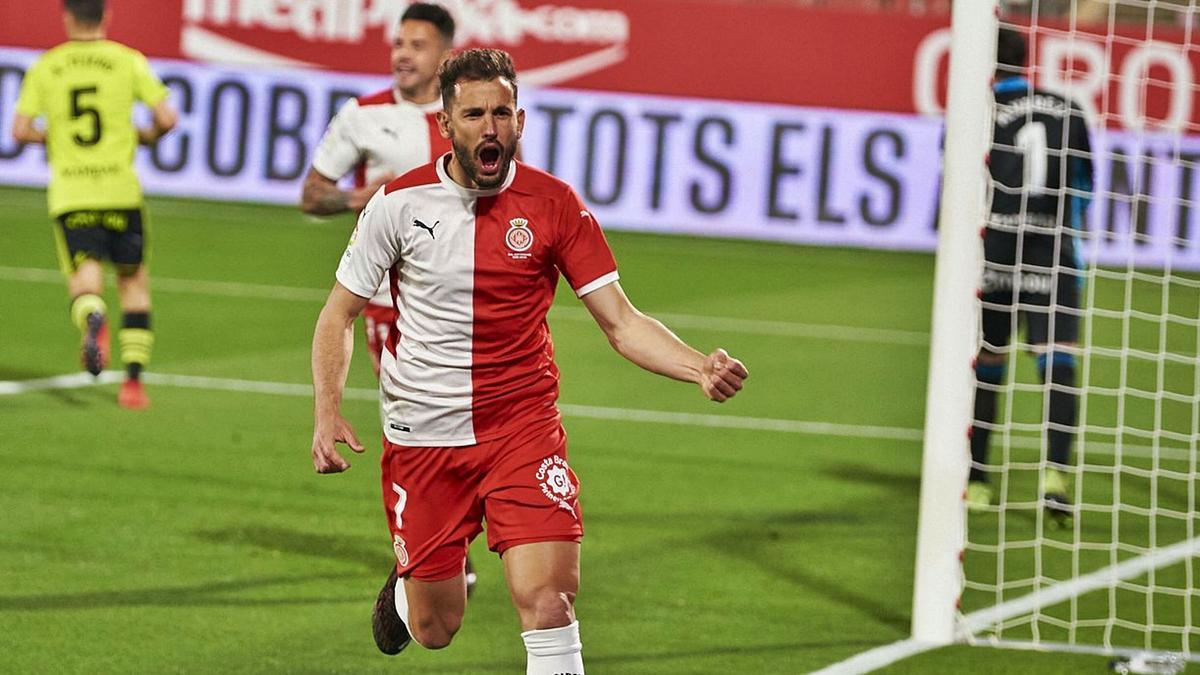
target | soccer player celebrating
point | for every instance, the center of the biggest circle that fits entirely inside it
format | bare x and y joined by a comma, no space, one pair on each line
382,135
1041,172
471,247
85,89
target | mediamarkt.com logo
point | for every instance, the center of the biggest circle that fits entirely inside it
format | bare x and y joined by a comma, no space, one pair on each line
302,32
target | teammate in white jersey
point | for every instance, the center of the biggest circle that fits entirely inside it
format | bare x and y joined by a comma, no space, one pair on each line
471,247
378,136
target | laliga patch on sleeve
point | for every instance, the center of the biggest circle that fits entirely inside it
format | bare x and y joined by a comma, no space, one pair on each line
350,245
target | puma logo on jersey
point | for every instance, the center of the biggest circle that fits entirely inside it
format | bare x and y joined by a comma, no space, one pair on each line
390,132
427,228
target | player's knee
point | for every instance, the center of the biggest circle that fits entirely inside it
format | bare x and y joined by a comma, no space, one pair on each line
435,631
549,608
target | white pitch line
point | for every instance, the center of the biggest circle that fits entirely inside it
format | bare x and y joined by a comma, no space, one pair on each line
231,289
876,658
720,324
72,381
78,380
980,620
818,331
738,422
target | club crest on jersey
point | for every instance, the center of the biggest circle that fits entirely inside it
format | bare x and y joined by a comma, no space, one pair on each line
519,238
401,550
558,483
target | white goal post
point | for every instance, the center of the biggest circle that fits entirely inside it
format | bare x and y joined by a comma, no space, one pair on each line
945,457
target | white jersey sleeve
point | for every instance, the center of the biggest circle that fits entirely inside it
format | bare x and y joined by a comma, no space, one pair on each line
339,151
373,249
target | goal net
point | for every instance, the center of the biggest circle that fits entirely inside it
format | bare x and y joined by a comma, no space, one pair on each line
1094,550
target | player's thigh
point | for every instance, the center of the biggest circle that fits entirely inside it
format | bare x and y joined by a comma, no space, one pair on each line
553,563
530,493
431,501
1053,309
129,243
998,295
79,236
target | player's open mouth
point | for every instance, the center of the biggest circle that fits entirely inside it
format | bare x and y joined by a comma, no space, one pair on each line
489,158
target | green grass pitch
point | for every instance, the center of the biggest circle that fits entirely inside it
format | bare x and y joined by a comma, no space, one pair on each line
195,537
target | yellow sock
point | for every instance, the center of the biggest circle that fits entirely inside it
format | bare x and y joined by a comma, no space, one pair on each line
136,344
136,341
83,305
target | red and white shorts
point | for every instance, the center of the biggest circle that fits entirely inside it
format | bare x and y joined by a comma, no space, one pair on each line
436,499
378,323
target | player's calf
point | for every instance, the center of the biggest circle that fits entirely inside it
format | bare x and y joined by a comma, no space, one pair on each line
1057,367
545,608
989,376
434,629
552,641
430,617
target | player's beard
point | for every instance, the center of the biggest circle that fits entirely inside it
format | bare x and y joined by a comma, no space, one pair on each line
468,159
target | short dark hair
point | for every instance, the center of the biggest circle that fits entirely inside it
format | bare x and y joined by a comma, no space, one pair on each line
1011,51
90,12
434,14
476,65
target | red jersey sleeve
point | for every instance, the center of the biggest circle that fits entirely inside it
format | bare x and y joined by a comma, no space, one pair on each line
582,254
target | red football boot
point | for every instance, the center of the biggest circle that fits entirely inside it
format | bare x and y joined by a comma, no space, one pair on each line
132,396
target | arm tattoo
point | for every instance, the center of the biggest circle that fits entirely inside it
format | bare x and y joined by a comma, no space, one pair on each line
322,196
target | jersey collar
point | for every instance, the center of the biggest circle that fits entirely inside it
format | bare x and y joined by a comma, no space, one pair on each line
451,185
431,107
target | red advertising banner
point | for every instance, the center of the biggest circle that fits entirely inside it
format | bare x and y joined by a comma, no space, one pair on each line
737,51
730,51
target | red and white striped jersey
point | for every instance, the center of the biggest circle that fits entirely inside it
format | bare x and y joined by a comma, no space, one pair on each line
375,135
472,274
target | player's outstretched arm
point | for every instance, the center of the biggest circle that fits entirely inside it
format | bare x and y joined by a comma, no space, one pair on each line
333,344
321,196
25,131
648,343
163,118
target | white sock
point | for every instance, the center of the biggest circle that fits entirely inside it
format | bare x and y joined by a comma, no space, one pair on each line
554,651
401,602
